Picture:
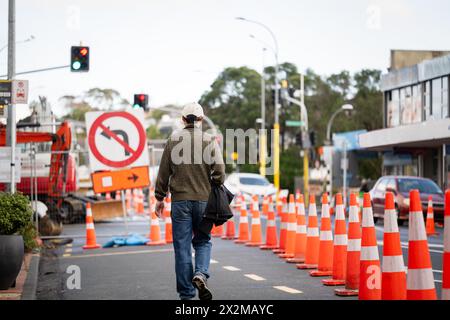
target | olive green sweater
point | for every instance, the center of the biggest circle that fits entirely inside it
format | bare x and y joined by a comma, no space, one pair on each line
191,161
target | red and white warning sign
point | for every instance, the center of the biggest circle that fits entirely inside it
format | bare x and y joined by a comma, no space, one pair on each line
116,140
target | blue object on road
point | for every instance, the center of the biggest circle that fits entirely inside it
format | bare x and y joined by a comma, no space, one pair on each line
133,239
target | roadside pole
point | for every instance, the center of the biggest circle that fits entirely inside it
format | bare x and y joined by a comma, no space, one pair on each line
344,168
124,208
11,123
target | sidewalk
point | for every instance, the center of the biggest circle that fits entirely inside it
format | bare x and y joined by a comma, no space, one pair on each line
26,281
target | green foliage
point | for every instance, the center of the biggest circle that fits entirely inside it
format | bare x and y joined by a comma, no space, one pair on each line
154,133
15,212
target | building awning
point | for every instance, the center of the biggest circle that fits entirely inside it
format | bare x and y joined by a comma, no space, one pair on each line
429,134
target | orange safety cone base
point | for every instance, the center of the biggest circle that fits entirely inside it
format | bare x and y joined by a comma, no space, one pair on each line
304,266
295,260
254,244
216,235
286,255
277,251
229,237
266,247
318,273
435,234
239,241
92,246
343,292
156,243
333,282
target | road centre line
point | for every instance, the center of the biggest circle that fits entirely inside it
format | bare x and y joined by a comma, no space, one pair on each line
254,277
231,268
212,261
287,289
120,253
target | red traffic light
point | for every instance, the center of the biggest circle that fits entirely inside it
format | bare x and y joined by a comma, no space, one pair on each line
141,97
84,51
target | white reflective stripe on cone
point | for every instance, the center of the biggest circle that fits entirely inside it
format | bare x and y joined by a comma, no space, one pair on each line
416,227
292,226
354,245
89,225
430,215
353,215
312,212
447,234
256,221
313,232
283,225
243,219
155,222
326,235
393,264
301,229
340,239
325,211
168,220
367,218
369,253
390,221
340,215
420,279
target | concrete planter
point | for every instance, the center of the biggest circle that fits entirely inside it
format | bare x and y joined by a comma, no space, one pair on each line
11,258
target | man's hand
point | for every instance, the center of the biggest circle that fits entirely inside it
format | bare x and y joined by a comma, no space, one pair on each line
159,208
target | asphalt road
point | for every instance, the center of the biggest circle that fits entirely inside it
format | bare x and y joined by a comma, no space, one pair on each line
142,272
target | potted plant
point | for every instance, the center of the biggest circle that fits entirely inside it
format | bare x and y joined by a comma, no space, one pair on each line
15,224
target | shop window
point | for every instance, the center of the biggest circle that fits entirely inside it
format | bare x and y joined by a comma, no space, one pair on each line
406,107
416,101
436,99
445,97
393,109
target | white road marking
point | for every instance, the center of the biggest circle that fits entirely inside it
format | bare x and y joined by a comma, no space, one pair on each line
231,268
254,277
212,261
69,245
287,289
68,250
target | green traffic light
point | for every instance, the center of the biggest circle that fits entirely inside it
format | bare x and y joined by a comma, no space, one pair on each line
76,65
136,106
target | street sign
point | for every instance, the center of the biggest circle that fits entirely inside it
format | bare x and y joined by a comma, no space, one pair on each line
116,140
290,123
5,165
19,92
137,177
5,92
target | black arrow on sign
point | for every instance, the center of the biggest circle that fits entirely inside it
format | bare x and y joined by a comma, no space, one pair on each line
134,177
117,132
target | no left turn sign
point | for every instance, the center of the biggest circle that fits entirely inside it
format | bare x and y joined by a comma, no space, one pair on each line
116,140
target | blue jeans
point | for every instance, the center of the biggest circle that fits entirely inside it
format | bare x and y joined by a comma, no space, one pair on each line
186,217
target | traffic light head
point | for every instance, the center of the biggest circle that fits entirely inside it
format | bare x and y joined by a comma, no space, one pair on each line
141,101
79,59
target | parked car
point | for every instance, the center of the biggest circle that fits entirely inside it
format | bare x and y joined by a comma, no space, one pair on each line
401,186
249,184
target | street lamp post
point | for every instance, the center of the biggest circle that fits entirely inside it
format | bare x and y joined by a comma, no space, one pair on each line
344,108
276,126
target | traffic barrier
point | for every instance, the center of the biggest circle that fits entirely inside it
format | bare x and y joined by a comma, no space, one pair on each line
271,229
431,231
265,206
168,219
290,230
91,238
339,247
393,277
256,232
243,225
283,228
370,270
325,266
300,235
312,238
155,231
230,227
353,251
446,258
419,279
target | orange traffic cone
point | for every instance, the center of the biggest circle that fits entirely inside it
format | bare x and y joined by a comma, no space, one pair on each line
140,205
155,231
128,198
243,225
431,231
283,228
118,197
446,258
370,271
300,234
353,251
340,246
312,238
279,206
168,219
291,230
325,266
265,206
393,278
217,231
256,234
230,228
91,239
420,279
271,229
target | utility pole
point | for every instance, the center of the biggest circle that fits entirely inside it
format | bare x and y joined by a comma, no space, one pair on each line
306,155
11,123
262,136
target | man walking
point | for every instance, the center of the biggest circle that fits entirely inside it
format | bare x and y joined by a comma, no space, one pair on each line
190,163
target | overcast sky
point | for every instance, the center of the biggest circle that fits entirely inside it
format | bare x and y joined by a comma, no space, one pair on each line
174,49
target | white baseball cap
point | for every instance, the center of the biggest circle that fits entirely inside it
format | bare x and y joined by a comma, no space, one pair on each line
194,109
